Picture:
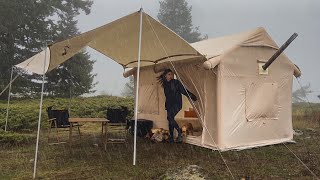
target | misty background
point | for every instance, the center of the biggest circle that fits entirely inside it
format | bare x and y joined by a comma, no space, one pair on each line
218,18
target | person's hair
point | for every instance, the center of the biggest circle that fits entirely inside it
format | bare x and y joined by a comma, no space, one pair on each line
162,78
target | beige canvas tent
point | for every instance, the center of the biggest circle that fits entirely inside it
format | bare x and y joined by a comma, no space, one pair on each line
239,104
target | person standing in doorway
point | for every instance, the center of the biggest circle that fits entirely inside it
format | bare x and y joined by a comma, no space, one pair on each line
173,89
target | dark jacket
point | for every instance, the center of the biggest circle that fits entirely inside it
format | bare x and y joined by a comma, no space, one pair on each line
173,90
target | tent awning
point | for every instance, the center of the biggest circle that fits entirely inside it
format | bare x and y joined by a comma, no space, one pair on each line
35,64
119,41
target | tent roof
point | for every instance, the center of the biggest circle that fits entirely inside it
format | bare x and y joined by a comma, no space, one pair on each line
213,48
217,46
119,40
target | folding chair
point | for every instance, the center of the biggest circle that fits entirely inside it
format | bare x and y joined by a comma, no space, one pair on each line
59,119
118,124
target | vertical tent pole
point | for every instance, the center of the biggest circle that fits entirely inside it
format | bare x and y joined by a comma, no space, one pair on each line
40,111
137,94
5,127
71,84
70,97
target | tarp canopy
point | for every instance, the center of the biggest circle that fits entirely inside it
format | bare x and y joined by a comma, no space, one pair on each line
119,41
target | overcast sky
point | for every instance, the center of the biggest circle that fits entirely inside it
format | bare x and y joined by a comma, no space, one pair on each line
217,18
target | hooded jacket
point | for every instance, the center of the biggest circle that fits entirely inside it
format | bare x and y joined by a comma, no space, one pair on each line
173,90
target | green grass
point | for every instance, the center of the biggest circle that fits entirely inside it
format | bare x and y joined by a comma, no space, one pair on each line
83,160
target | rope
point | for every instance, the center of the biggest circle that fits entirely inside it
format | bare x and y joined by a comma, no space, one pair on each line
298,159
301,161
190,98
9,84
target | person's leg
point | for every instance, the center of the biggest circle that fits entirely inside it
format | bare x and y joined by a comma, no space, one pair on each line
174,125
174,122
179,138
170,118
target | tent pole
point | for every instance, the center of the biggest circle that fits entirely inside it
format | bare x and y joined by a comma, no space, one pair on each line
70,97
137,94
5,127
40,111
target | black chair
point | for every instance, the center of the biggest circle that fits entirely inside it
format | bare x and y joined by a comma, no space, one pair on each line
117,124
144,126
59,119
117,115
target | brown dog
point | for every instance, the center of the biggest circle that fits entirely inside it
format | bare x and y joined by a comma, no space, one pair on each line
187,129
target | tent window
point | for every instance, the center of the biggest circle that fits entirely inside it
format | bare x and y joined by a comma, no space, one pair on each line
262,101
148,99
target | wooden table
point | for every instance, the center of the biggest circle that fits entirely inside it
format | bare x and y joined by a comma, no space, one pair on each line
103,121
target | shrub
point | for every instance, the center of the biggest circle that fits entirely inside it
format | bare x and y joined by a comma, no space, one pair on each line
11,138
23,114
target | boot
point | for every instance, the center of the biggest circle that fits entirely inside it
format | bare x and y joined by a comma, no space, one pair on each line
171,140
179,138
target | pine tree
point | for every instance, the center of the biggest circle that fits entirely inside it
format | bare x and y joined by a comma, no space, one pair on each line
20,25
73,77
129,88
300,95
26,27
176,15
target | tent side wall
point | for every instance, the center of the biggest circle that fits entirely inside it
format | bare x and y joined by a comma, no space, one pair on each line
210,136
256,109
151,98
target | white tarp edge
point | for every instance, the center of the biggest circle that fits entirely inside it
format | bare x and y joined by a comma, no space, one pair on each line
36,62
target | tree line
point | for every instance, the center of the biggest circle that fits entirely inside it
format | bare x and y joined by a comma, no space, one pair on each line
26,27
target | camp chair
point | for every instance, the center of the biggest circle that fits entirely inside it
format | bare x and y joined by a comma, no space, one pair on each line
117,124
59,119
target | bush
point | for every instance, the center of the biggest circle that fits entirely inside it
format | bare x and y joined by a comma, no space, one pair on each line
11,138
23,114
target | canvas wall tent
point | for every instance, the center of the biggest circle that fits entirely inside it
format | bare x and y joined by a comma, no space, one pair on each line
240,105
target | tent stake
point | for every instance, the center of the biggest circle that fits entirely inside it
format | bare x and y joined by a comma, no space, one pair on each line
137,94
280,50
40,111
5,127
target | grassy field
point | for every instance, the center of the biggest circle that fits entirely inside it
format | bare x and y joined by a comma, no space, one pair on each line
85,160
